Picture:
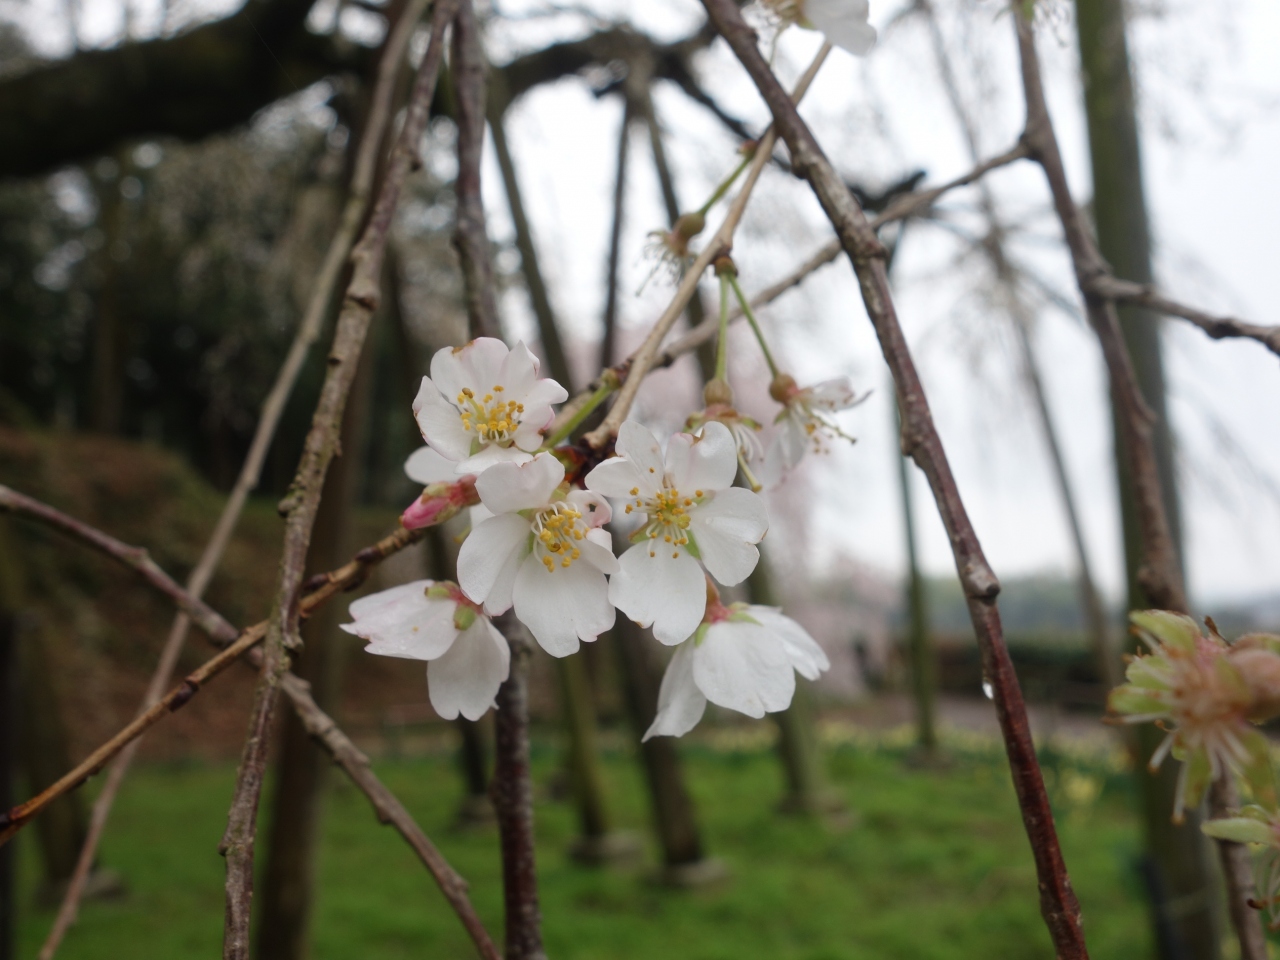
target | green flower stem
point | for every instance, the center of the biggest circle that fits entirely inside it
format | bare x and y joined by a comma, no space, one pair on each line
727,183
751,319
566,430
722,346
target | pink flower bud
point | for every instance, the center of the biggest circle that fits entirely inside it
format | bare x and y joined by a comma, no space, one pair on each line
439,502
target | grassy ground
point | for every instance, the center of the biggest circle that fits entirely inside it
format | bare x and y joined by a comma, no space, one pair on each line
932,865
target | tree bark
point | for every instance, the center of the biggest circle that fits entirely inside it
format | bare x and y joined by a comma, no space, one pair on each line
1120,219
302,767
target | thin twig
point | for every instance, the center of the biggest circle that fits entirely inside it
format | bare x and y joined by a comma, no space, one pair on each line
1160,573
319,589
1058,903
353,215
1217,327
642,360
907,206
300,506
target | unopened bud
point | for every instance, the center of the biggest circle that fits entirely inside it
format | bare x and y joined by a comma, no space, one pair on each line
439,502
689,225
1259,668
783,387
717,392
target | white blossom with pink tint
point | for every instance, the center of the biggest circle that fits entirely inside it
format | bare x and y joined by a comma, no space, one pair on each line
843,22
468,658
484,404
543,551
690,512
743,658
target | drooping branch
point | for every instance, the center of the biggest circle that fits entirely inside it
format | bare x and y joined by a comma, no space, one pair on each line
1059,906
215,626
1217,327
353,214
303,500
906,206
1161,571
319,590
643,359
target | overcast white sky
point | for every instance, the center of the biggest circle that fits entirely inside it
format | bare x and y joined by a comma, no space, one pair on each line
1210,84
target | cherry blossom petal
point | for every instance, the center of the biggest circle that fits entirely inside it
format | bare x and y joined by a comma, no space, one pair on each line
833,395
481,362
708,462
488,560
404,622
725,528
742,667
844,22
638,444
543,393
666,591
466,679
427,466
508,487
618,476
491,454
440,423
680,702
448,373
519,372
597,550
562,606
594,508
809,659
529,432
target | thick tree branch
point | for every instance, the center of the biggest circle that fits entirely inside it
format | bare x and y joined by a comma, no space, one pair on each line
920,439
189,86
303,500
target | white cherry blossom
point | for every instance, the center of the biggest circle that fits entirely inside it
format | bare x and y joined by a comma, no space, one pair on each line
844,22
543,551
484,404
742,657
468,657
691,511
806,422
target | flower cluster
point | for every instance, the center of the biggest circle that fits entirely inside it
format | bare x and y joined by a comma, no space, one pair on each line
1207,694
538,546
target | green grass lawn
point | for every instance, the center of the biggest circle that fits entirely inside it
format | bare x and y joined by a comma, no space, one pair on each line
932,865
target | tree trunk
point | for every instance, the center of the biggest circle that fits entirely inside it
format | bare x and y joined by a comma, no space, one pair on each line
1120,216
302,768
